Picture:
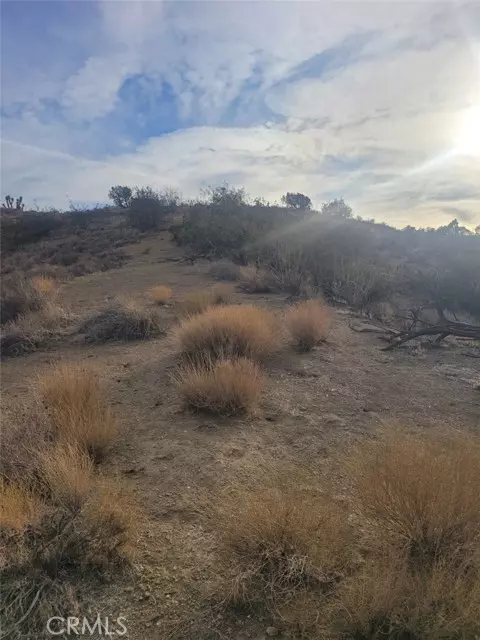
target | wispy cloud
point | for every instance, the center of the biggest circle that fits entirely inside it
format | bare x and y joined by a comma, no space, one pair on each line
333,99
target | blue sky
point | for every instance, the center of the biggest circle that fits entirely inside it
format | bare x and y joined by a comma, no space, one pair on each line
376,102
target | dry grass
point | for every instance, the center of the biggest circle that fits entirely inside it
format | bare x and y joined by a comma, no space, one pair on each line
33,330
160,294
44,285
256,280
285,540
199,301
309,323
19,507
66,474
228,332
123,320
77,407
222,293
420,493
195,302
225,387
386,599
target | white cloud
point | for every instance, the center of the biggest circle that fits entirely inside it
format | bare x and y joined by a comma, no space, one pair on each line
394,108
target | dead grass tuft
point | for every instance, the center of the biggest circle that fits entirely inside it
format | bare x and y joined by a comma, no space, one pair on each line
44,285
123,320
309,323
253,279
160,294
420,493
222,293
284,539
33,330
195,302
19,507
235,331
225,387
79,413
66,474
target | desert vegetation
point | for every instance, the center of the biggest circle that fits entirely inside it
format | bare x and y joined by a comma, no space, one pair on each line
62,520
279,500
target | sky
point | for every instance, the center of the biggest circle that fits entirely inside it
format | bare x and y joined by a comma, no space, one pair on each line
376,102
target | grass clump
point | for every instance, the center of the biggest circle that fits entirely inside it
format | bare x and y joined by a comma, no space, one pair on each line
284,539
77,408
199,301
309,323
44,285
254,279
225,387
160,294
420,493
236,331
123,320
33,330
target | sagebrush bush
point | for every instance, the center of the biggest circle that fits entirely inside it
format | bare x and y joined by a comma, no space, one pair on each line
18,297
225,387
309,323
234,331
77,407
123,320
160,294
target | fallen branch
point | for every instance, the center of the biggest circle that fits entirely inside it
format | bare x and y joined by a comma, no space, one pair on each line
458,329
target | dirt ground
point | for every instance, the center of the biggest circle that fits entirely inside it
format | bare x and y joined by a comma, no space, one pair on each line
314,406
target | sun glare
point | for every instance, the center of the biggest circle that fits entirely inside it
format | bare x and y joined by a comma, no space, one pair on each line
468,133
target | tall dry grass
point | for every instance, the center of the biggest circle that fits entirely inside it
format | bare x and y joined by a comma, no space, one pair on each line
225,387
77,406
285,539
44,285
420,493
160,294
308,323
236,331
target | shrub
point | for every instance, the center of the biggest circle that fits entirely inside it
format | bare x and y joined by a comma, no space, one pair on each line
225,271
26,227
284,539
160,294
309,323
228,332
195,302
19,296
226,387
120,196
420,493
256,280
124,319
148,209
32,330
77,408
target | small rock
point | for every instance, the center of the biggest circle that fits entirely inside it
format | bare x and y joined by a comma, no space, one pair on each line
271,631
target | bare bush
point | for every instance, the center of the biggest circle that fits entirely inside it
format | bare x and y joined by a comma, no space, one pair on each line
123,320
256,280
